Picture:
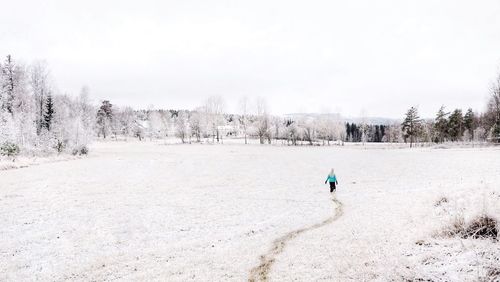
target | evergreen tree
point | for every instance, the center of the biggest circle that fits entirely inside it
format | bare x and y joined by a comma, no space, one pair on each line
441,124
8,84
49,113
411,125
354,132
104,118
469,123
358,132
378,137
456,125
348,131
39,82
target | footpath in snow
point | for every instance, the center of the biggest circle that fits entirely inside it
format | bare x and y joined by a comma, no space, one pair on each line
261,272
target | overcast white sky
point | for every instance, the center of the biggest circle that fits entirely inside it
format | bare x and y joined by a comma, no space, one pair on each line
307,56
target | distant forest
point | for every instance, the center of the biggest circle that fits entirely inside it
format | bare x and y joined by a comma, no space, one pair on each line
37,119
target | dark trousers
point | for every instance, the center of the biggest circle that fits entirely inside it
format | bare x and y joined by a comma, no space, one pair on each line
332,187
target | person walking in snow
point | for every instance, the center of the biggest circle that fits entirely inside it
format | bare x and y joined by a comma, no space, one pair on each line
332,178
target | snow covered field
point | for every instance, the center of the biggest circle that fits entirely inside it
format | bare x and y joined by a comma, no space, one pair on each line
146,211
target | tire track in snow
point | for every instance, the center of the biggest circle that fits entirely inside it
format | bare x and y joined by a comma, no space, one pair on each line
261,272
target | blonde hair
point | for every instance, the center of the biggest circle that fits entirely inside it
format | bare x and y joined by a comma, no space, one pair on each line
332,172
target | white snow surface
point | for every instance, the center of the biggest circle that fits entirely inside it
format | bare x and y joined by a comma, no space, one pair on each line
148,211
26,161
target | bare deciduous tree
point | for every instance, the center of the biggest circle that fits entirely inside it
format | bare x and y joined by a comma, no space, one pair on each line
214,109
244,108
181,126
39,81
263,122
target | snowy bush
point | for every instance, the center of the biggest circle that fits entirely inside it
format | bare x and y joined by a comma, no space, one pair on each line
464,245
481,227
441,201
80,150
60,146
9,149
84,150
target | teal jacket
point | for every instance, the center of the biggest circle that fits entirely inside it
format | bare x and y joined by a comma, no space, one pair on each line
331,178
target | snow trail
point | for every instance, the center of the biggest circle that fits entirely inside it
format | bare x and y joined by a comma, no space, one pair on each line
260,272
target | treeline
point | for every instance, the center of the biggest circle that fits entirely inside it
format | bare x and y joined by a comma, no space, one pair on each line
366,133
35,118
209,123
455,125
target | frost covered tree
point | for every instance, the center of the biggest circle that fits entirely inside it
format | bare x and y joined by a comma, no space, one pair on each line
393,133
138,130
335,130
277,128
15,101
156,127
78,121
411,125
427,133
126,121
396,135
322,129
308,127
213,109
62,128
364,127
292,132
86,118
196,125
244,107
181,126
263,124
7,127
9,80
165,123
104,119
39,81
